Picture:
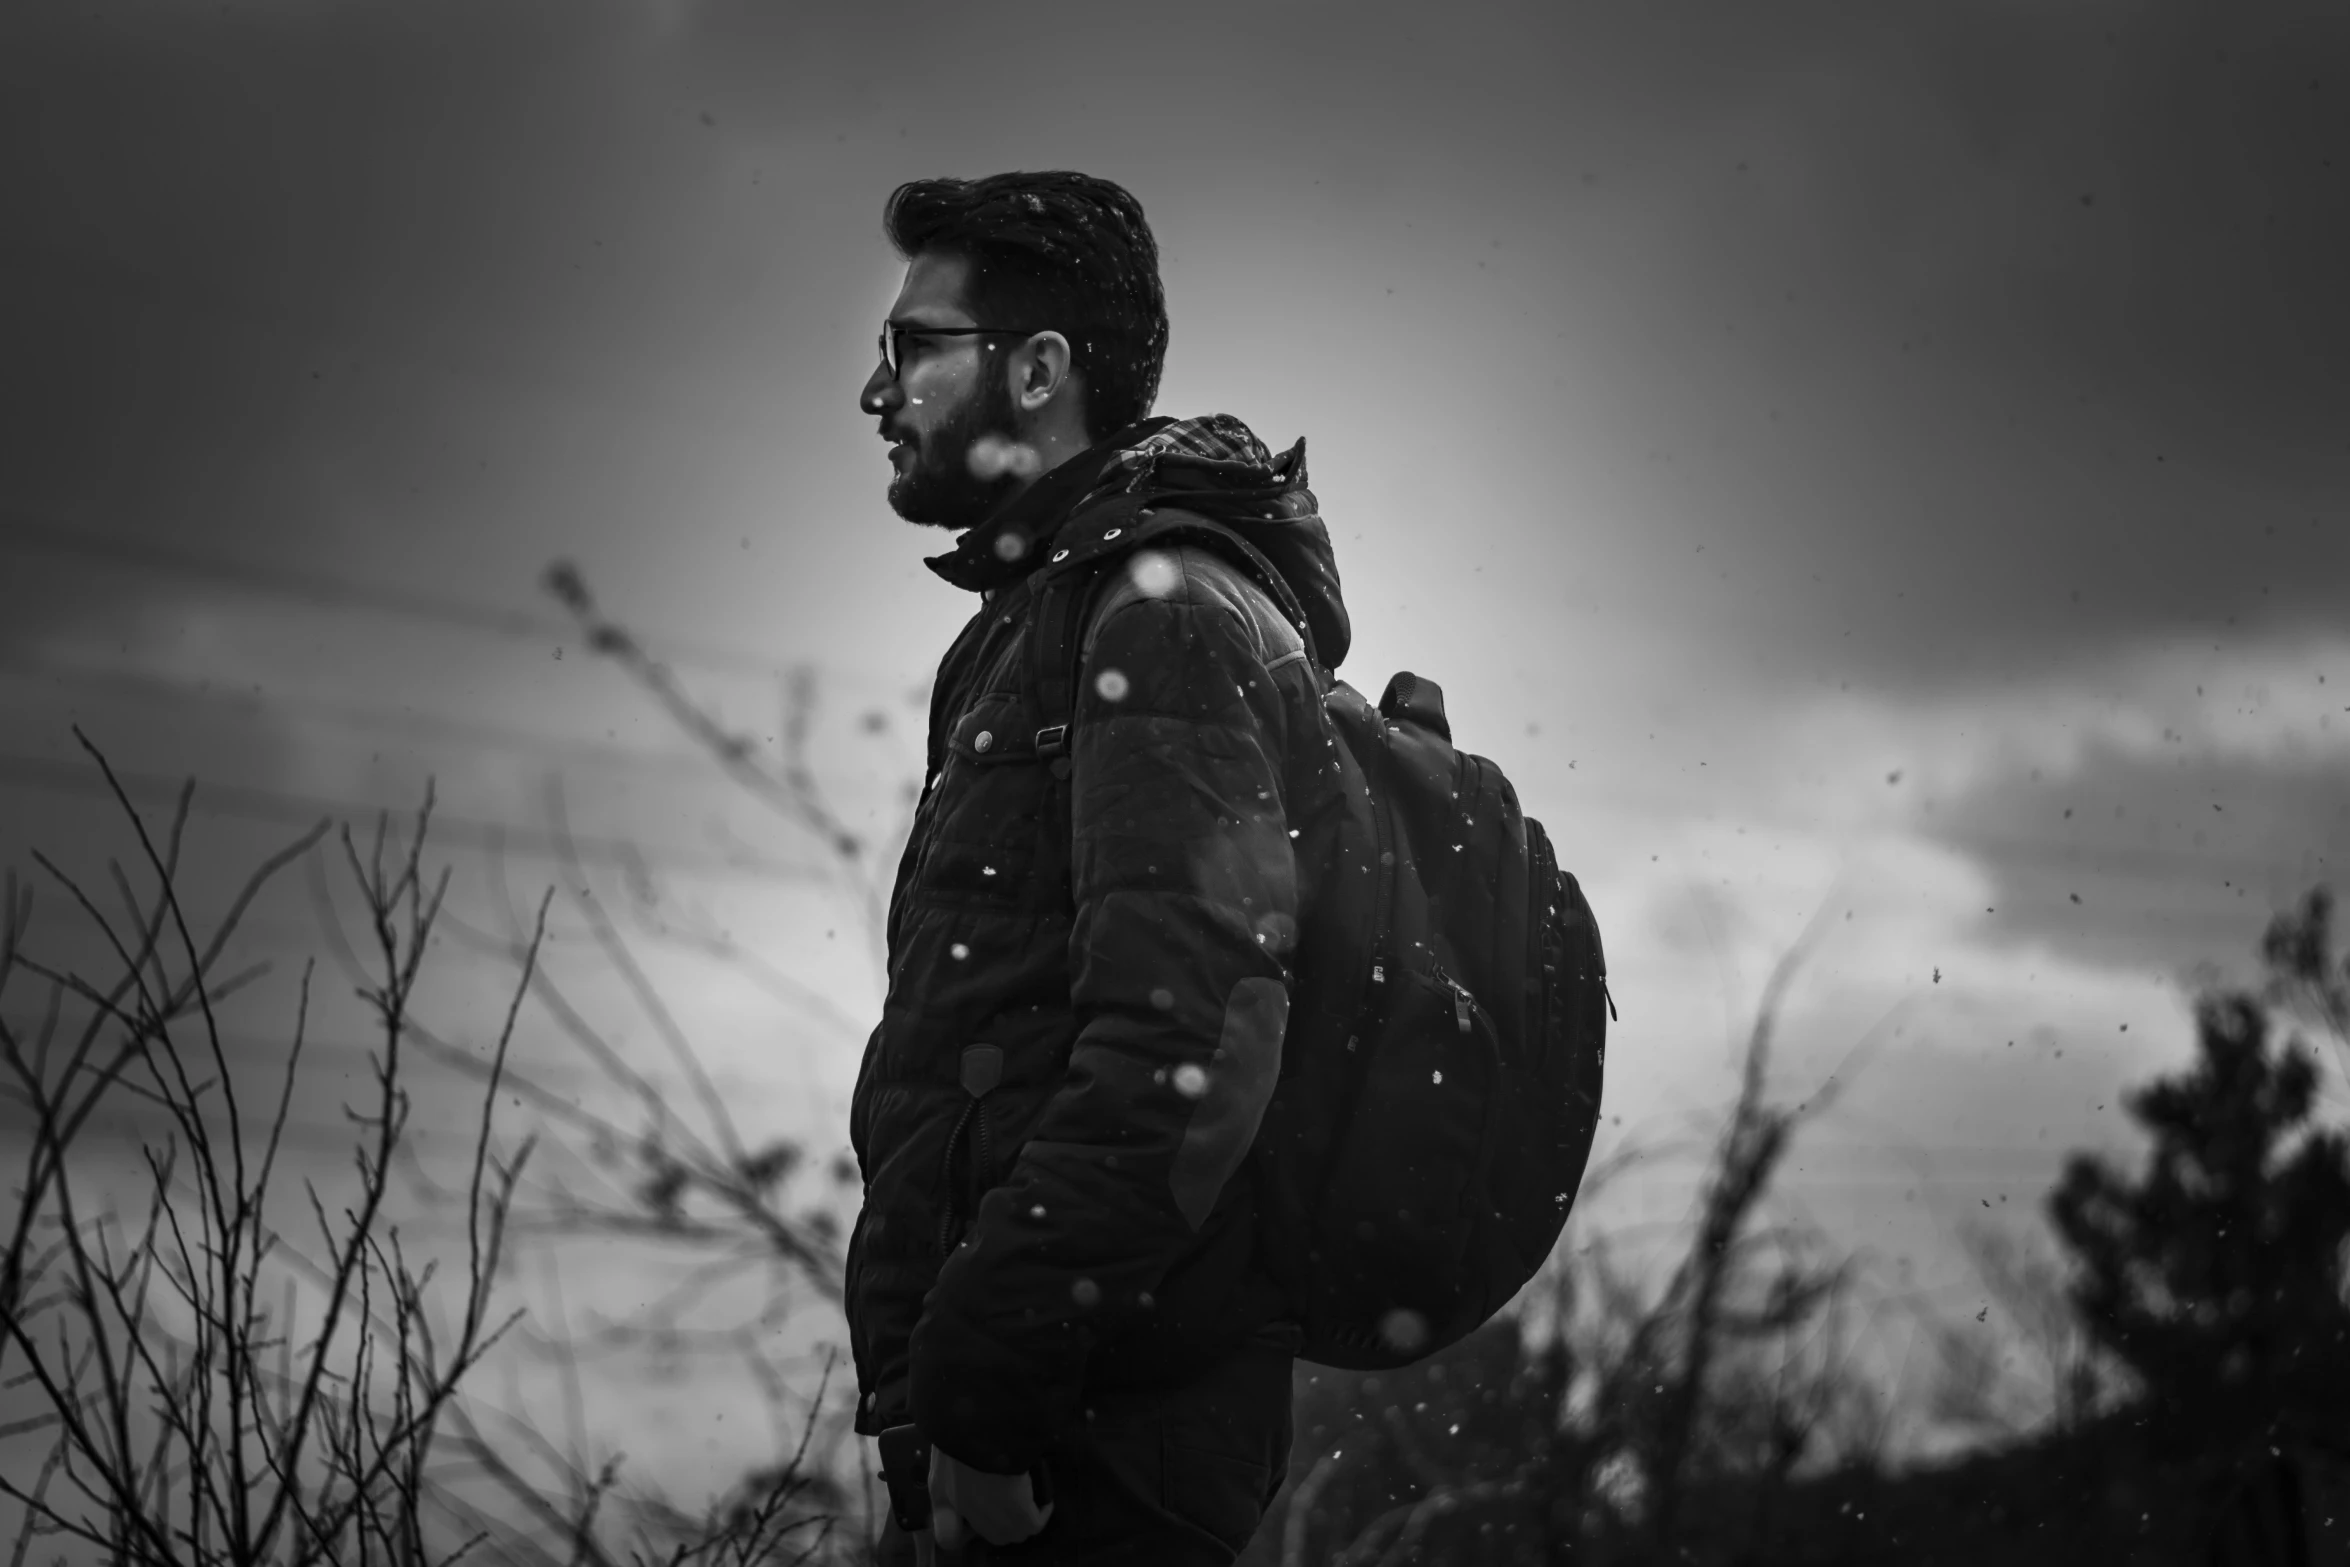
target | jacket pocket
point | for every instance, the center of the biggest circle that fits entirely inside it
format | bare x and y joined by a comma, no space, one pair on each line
969,1168
989,803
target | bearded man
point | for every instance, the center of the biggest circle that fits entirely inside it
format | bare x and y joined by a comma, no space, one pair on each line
1057,1299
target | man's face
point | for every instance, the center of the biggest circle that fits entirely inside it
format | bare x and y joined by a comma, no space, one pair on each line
950,393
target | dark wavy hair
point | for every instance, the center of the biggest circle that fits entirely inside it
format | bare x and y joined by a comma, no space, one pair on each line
1053,250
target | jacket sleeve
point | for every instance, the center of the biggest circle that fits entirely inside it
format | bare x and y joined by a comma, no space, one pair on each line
1185,899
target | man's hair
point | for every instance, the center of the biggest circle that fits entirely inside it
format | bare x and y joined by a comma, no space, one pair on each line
1055,251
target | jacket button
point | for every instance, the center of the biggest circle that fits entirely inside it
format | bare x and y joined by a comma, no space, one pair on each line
982,740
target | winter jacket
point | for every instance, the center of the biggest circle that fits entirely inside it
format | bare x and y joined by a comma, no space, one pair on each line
1088,958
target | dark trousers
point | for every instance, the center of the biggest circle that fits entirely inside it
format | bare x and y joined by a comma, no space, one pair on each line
1171,1477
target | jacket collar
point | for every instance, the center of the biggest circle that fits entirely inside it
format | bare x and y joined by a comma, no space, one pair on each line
1003,549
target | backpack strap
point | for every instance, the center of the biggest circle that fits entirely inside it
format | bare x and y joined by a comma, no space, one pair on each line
1064,591
1165,519
1061,604
1068,585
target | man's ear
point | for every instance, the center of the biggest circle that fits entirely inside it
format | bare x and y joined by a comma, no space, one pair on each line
1040,371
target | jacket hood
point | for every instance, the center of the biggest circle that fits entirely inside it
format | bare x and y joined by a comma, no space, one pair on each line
1215,466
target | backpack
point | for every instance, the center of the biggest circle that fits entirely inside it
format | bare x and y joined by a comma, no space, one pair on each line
1440,1077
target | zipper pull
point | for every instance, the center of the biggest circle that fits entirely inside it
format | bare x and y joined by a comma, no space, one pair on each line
1460,1003
982,1069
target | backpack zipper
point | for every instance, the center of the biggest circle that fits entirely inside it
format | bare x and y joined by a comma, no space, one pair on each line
1384,845
1464,1005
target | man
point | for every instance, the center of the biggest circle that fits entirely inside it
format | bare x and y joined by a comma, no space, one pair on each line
1055,1278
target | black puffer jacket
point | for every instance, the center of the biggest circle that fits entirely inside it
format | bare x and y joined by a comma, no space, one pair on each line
1087,959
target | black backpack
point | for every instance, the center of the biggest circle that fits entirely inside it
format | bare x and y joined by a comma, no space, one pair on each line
1440,1076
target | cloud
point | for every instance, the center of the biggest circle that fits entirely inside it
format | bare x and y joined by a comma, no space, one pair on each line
2280,700
2148,808
1990,972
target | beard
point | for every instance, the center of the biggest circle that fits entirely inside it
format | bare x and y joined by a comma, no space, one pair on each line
938,488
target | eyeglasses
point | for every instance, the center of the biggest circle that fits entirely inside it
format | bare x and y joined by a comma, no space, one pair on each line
895,333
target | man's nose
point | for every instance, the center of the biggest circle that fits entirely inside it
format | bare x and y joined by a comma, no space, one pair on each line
881,391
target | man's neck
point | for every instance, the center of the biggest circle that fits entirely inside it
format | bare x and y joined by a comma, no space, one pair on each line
1052,447
1057,457
982,559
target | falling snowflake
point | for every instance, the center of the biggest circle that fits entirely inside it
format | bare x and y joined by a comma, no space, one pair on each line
1404,1330
1153,573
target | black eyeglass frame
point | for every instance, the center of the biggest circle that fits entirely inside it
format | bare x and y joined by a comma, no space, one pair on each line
892,332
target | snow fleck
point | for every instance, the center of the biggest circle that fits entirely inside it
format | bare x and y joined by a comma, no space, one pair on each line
1276,931
1163,998
993,457
1112,685
1404,1330
1153,573
960,951
1086,1293
1191,1080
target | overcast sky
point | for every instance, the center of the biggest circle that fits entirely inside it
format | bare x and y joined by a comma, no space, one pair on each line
1883,459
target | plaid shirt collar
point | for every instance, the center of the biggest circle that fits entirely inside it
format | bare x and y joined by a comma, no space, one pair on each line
1218,448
